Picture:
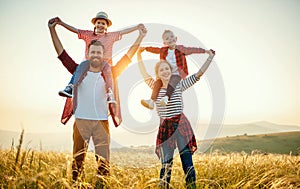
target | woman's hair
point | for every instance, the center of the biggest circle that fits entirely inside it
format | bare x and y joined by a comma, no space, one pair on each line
157,67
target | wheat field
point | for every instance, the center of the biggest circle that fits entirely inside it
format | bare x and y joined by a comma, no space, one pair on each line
26,168
38,169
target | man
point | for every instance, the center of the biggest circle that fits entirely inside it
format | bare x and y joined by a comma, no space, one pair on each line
89,102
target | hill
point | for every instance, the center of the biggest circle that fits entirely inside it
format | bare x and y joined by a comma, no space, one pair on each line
61,141
279,143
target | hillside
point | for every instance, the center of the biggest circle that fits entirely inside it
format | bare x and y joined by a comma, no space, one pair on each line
279,143
63,141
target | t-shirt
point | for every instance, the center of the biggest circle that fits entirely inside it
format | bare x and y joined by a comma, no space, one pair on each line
107,41
171,58
91,98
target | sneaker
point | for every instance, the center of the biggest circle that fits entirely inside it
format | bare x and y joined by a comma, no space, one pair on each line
164,100
67,92
148,103
110,98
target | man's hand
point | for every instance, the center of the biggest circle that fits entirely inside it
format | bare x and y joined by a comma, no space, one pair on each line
53,21
143,31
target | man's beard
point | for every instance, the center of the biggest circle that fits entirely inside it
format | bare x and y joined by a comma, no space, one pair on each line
95,63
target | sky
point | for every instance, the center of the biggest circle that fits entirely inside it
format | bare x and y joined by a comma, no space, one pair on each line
257,46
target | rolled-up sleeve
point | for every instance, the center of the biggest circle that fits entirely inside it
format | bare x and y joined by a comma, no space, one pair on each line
68,62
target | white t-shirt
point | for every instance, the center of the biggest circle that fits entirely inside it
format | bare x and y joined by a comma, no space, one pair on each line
91,98
171,58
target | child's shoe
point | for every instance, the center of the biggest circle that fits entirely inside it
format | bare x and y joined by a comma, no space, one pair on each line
148,103
67,92
164,100
110,97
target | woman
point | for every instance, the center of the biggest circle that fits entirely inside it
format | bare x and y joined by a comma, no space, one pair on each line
174,127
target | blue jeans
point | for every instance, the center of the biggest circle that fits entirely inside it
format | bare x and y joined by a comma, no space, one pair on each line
73,77
106,73
186,161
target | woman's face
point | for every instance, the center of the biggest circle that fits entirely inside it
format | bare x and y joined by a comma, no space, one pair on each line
164,71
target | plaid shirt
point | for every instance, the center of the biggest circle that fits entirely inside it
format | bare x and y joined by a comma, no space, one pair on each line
115,109
167,133
180,53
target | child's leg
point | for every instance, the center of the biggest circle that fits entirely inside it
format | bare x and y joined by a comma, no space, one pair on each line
174,80
107,75
68,91
72,79
157,85
150,103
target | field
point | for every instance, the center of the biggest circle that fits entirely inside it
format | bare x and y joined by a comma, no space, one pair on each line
139,168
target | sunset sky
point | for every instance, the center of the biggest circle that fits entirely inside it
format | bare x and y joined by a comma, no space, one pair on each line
257,44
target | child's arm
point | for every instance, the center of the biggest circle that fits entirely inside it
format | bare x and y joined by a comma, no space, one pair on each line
191,50
155,50
131,29
206,64
67,26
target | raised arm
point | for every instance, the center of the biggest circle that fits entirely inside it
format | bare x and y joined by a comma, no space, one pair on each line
132,50
131,29
65,59
56,42
142,68
206,64
123,63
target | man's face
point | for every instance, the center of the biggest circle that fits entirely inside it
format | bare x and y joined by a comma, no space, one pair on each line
95,55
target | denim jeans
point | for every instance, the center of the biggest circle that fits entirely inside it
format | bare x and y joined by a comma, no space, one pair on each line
186,161
106,73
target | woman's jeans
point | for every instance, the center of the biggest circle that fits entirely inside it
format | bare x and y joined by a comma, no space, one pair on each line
167,154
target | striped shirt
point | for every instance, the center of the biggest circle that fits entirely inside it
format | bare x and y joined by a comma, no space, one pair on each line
175,104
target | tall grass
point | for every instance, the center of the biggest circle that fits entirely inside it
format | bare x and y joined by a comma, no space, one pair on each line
26,168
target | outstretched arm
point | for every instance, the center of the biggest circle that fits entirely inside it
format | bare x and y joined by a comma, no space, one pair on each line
206,64
141,64
67,26
191,50
131,29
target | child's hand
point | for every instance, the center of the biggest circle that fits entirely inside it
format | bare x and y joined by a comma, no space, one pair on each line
53,21
143,31
141,49
211,54
141,26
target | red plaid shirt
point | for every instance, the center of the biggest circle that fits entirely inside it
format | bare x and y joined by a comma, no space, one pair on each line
115,109
166,133
180,53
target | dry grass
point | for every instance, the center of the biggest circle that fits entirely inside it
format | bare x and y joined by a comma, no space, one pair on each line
41,169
